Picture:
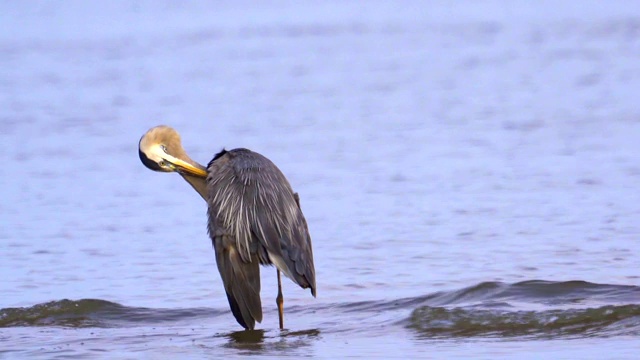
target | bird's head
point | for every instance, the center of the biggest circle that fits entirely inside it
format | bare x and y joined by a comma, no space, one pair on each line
160,149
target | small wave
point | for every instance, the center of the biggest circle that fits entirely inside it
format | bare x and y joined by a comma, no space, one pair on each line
537,291
460,322
93,313
529,308
577,308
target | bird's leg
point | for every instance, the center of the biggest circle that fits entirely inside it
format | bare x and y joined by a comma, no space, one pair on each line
280,302
280,298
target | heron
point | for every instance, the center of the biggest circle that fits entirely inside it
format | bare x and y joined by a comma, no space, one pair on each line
254,218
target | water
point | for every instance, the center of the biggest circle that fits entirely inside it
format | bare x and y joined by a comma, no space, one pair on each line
487,312
469,174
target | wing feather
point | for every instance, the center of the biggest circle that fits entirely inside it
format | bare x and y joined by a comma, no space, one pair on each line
253,202
241,282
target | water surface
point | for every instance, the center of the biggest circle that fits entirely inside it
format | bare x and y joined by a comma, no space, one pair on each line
469,174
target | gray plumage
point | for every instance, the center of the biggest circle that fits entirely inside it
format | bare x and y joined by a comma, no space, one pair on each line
255,217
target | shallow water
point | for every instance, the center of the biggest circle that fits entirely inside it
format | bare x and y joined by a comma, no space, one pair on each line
522,312
469,174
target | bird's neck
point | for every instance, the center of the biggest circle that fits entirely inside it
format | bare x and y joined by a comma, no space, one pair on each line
198,183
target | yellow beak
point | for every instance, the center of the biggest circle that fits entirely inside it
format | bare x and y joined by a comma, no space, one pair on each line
184,167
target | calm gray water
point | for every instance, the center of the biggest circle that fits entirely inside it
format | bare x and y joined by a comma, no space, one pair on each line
469,171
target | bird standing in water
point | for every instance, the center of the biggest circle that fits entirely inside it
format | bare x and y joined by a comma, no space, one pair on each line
254,218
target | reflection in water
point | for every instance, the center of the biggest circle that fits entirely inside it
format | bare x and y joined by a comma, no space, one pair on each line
309,333
246,340
259,341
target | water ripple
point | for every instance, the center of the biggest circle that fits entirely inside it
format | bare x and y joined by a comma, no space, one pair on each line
531,308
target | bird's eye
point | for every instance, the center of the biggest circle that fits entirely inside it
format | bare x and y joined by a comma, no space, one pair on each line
162,163
164,148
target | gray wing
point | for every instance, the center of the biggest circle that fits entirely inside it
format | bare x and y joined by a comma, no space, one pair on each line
241,281
252,202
